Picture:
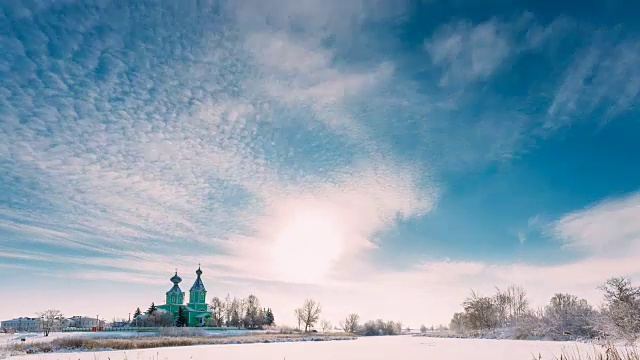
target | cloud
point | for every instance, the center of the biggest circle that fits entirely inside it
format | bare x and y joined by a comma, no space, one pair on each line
522,237
607,228
603,78
467,53
188,140
303,74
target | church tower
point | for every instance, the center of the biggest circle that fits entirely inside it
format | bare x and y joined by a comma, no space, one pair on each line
198,294
175,296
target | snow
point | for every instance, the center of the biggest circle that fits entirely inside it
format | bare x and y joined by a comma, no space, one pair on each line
370,348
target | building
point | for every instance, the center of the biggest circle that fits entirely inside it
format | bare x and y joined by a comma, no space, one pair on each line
30,324
85,322
22,324
196,310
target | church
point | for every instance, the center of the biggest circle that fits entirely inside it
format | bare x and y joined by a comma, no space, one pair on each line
196,310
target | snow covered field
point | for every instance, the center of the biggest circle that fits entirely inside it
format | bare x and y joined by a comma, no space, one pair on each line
371,348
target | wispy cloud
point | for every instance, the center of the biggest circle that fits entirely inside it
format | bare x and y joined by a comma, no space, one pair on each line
304,74
607,228
603,78
467,52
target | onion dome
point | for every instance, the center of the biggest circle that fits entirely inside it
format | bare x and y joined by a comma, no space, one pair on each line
175,279
198,285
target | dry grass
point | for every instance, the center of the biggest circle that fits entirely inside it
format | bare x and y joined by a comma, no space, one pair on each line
607,352
133,343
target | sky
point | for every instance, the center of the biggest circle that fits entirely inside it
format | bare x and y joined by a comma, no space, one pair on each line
383,157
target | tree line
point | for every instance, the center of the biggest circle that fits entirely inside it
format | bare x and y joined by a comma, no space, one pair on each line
245,313
509,313
309,314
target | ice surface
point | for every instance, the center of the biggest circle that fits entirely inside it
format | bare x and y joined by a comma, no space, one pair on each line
372,348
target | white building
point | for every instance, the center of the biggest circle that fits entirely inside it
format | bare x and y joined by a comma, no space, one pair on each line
22,324
85,322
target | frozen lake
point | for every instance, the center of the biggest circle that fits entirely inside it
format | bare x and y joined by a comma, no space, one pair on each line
371,348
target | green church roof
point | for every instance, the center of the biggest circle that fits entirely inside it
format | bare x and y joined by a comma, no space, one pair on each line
175,279
198,285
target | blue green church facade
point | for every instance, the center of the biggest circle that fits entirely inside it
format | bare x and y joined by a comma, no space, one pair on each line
196,310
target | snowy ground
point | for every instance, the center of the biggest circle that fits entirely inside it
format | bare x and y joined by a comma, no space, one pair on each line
371,348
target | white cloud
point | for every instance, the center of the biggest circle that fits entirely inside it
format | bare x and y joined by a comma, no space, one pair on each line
302,73
608,228
602,77
467,53
522,237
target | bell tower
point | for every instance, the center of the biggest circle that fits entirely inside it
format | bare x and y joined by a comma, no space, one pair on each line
198,294
175,296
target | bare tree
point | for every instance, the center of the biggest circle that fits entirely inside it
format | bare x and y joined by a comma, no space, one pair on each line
228,308
458,323
252,318
235,315
217,312
350,323
480,312
50,319
308,314
502,302
298,314
520,304
423,329
325,325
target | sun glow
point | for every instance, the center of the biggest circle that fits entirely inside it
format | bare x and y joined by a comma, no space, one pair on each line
306,246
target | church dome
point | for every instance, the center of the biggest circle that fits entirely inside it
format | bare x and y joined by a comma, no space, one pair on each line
176,279
198,285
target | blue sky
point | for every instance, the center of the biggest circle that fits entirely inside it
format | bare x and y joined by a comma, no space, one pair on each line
358,152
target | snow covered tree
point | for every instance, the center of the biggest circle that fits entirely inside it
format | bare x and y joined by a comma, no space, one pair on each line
566,315
325,325
50,319
137,313
621,311
308,314
458,323
253,318
158,318
217,312
152,309
227,310
380,327
423,329
235,312
518,304
350,323
502,301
